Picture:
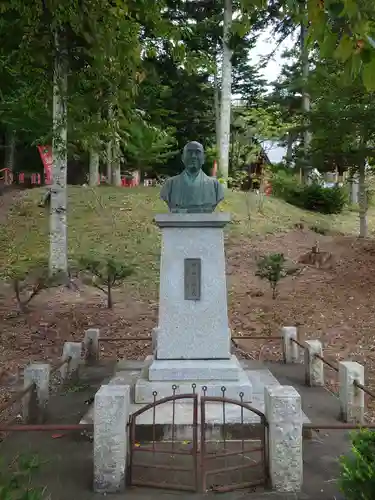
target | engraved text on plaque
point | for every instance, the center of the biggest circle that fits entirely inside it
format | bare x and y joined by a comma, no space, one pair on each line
192,279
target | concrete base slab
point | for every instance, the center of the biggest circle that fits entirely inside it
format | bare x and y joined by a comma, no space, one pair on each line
133,372
158,425
146,390
194,369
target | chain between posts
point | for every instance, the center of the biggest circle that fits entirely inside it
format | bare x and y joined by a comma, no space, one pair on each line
364,389
122,339
19,395
328,363
298,343
60,365
336,369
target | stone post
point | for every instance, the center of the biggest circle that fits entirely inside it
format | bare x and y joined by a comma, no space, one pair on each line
91,344
352,399
314,370
284,415
290,349
35,402
111,413
71,350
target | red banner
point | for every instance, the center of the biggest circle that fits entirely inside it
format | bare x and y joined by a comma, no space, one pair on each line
46,156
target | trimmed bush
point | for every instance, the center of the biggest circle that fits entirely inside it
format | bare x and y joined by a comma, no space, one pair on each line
357,475
312,197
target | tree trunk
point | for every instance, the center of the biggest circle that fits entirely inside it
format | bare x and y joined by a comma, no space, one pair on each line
10,150
305,102
109,295
289,149
109,149
94,168
217,109
362,199
116,163
226,87
58,259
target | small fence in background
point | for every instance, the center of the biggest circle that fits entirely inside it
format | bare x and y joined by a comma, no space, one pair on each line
349,385
40,380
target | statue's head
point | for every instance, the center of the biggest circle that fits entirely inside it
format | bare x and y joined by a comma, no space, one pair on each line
193,157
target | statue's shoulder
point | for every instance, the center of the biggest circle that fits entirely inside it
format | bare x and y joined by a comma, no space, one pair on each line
208,178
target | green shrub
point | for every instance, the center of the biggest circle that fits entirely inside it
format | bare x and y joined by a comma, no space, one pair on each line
273,268
283,184
16,480
357,474
312,197
105,273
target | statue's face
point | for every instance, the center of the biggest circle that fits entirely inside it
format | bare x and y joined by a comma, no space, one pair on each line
193,159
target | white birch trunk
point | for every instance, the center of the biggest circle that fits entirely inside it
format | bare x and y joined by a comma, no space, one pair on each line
362,200
110,149
116,163
217,108
58,259
289,150
94,168
226,87
305,101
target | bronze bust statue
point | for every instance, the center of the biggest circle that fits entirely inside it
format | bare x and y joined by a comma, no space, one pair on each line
192,191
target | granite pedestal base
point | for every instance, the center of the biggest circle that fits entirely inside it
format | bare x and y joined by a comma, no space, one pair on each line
211,378
194,369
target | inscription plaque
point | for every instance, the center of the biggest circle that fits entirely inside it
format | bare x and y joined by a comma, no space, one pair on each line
192,279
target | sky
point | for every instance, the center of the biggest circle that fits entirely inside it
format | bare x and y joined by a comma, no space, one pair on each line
265,45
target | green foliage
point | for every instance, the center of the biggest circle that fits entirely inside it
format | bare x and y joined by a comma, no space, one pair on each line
273,268
238,179
148,145
250,127
357,475
341,120
312,197
105,273
345,30
319,199
15,482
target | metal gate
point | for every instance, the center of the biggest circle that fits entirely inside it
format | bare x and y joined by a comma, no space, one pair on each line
232,457
235,456
167,462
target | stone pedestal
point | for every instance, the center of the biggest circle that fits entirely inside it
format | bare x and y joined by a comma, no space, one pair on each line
192,341
193,329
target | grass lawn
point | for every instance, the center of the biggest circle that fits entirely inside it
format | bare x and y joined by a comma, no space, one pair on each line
119,222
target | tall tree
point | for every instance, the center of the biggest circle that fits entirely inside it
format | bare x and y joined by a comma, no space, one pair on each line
343,126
